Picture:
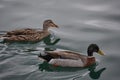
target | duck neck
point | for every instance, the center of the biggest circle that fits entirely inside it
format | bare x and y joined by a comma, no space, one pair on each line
90,60
90,53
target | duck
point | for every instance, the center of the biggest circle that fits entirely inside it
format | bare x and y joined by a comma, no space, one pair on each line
66,58
28,34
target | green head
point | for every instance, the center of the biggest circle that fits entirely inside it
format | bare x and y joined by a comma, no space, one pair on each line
94,48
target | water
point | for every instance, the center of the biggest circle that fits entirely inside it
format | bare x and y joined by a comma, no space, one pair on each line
81,23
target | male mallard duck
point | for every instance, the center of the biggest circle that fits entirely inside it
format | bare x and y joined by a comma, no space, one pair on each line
28,34
70,58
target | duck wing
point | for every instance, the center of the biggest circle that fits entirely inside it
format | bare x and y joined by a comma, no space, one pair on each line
66,55
30,37
24,31
67,58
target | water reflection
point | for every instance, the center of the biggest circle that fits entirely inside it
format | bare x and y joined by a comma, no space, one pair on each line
95,74
49,41
92,72
48,67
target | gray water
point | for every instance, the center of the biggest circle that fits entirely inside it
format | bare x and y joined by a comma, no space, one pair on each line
81,22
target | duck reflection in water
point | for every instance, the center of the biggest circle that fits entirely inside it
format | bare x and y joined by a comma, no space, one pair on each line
92,72
95,74
48,41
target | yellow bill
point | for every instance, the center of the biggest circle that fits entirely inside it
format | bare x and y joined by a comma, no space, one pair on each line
100,52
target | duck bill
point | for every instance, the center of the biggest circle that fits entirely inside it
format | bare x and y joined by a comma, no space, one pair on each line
54,25
100,52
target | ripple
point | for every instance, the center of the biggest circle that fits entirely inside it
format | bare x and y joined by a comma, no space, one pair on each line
2,6
81,22
93,7
103,24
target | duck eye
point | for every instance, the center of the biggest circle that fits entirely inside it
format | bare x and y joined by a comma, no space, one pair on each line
49,21
96,50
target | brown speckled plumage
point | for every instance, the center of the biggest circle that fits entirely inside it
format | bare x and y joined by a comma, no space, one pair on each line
28,34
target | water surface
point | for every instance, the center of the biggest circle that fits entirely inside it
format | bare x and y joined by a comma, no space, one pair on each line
81,23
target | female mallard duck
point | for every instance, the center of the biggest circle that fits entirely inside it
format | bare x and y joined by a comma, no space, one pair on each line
28,34
71,59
